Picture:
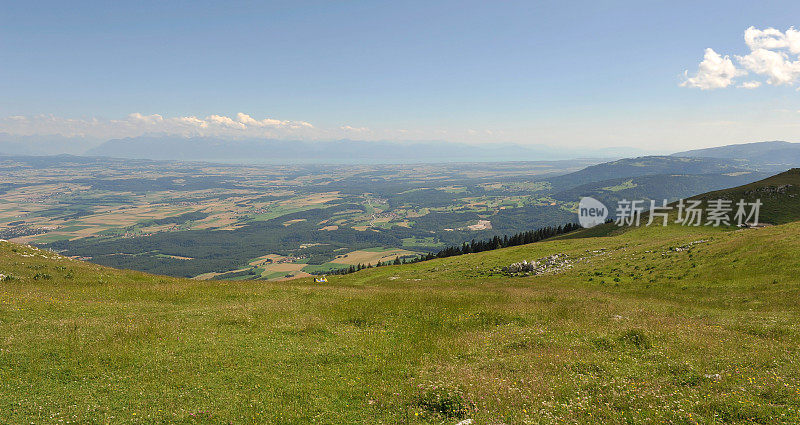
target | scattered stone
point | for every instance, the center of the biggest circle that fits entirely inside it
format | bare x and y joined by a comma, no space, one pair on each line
552,264
769,190
688,245
714,376
465,422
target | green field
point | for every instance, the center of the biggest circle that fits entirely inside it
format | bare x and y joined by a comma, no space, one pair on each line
100,209
636,331
412,242
326,267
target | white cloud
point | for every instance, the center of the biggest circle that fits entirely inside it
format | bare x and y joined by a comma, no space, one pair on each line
769,38
352,129
750,85
776,66
226,121
793,40
147,119
137,124
773,56
224,127
715,71
247,120
773,39
192,122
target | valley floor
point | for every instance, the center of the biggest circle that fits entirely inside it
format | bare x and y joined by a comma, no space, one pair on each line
675,325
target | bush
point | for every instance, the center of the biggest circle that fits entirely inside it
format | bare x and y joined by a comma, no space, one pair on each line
603,344
636,338
442,400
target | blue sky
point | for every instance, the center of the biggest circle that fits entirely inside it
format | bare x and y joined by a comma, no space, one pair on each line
581,73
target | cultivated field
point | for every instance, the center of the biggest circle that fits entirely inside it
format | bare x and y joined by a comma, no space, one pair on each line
148,215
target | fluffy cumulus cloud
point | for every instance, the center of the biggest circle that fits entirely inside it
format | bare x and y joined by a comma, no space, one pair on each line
776,66
137,124
772,39
774,57
715,71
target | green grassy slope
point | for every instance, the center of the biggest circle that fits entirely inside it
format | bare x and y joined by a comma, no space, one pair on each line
638,330
780,195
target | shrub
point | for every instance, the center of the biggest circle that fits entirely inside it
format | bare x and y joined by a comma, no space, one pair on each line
603,344
442,400
636,338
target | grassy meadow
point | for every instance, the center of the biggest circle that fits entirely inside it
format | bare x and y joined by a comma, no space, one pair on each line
655,325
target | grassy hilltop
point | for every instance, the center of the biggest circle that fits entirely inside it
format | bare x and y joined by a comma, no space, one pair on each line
780,195
661,324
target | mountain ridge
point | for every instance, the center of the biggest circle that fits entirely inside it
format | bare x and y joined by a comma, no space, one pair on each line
770,156
645,166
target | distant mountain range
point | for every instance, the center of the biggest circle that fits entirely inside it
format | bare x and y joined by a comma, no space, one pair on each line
764,156
338,151
44,145
773,156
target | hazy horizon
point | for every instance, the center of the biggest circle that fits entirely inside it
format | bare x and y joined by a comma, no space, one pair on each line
341,151
474,72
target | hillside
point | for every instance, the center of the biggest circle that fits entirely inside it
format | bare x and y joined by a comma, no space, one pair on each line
645,166
778,193
658,187
765,156
675,324
758,150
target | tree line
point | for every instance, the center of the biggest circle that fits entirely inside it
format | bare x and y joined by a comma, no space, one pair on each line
496,242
